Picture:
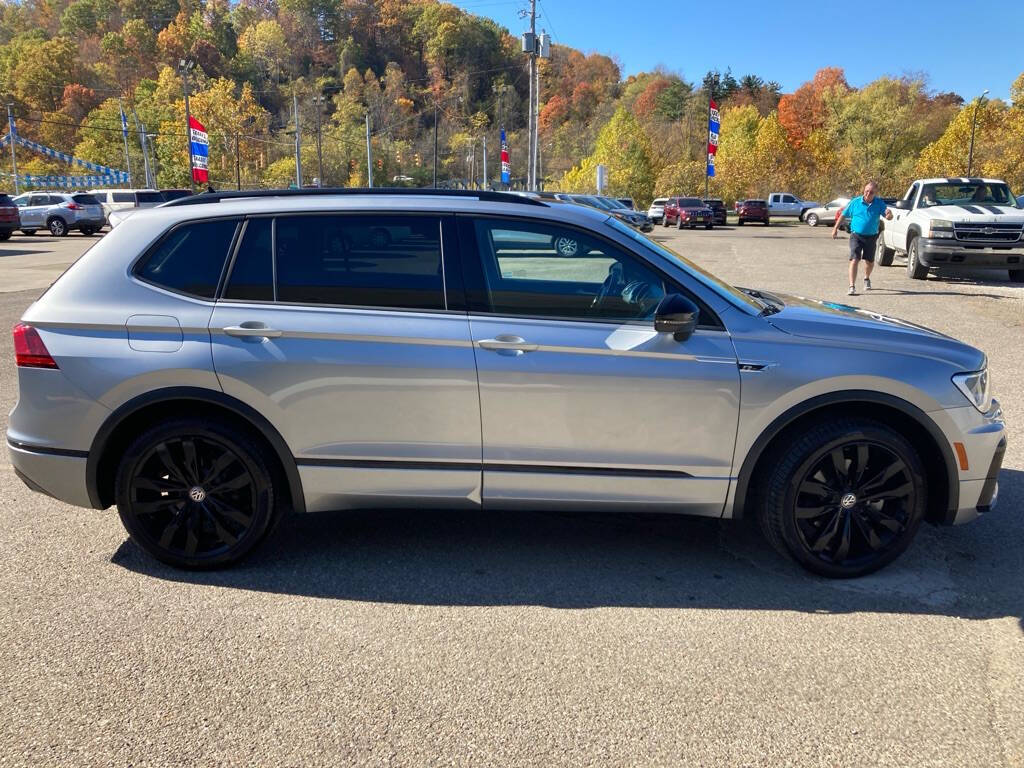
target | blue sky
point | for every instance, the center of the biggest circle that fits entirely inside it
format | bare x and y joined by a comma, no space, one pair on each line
962,47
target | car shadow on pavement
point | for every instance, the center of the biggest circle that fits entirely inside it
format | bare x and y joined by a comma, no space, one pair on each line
595,560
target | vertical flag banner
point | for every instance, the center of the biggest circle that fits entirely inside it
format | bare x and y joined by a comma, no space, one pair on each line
124,125
14,131
506,166
200,145
713,126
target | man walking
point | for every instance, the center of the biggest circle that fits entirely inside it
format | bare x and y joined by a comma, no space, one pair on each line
864,212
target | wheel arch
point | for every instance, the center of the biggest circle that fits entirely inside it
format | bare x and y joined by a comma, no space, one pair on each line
914,230
944,496
124,423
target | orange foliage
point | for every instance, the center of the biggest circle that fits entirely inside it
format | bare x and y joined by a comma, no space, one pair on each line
803,111
554,113
648,100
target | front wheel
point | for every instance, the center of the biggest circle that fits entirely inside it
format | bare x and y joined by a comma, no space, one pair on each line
883,255
196,494
812,220
915,269
844,498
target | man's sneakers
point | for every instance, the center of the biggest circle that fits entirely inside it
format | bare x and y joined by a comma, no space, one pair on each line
867,283
852,291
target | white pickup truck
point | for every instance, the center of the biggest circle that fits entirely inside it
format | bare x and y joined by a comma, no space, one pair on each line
955,223
785,204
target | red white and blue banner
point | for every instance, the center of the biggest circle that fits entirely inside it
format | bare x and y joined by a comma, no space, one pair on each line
200,148
506,166
714,121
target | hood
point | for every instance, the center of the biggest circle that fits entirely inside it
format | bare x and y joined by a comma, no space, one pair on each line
976,212
843,324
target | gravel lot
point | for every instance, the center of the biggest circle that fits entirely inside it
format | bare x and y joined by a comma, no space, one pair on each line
404,638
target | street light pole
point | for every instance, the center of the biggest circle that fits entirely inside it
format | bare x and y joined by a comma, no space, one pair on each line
184,67
435,144
974,124
318,101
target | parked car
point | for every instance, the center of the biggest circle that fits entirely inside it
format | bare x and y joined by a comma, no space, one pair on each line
657,209
752,210
611,206
213,364
174,194
59,212
717,207
687,212
120,199
785,204
628,202
9,219
826,212
955,224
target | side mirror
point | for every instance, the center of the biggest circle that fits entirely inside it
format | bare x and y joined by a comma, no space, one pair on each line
903,205
677,315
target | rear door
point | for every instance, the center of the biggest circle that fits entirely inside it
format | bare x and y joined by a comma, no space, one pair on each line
339,329
583,404
37,206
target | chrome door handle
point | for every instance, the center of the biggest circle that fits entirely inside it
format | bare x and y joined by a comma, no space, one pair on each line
252,329
508,343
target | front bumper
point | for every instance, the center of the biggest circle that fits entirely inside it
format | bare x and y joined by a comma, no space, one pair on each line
952,254
983,437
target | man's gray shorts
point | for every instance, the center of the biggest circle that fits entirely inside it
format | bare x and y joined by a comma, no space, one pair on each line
862,246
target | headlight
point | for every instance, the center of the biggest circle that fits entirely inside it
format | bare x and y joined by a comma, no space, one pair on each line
940,228
976,388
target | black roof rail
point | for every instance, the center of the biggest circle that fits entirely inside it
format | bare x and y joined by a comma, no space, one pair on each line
486,195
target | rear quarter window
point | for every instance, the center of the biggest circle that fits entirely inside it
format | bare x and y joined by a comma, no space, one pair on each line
190,258
122,197
85,199
149,197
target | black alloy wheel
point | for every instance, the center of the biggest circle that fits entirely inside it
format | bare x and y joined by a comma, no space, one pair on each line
196,495
846,498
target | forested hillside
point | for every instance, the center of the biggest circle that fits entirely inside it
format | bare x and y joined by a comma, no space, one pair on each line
66,65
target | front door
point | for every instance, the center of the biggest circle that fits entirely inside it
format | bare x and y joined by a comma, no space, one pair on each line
337,329
583,404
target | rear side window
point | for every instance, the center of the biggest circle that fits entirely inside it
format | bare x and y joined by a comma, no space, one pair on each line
252,276
149,197
190,258
122,197
85,199
360,260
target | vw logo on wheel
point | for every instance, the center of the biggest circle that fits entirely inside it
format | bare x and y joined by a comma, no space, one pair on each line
848,500
197,494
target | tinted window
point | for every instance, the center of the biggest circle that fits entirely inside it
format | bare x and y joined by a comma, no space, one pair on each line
190,258
252,276
174,194
370,261
122,197
539,270
690,202
6,200
39,200
149,197
788,199
21,201
85,199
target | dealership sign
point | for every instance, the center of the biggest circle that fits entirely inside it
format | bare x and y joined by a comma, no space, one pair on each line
199,145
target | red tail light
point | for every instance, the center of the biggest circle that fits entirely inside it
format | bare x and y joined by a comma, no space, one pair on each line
29,350
74,207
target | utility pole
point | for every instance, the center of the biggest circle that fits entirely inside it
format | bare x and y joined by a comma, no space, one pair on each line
485,161
435,145
238,163
298,141
140,130
184,67
14,156
974,123
318,102
369,154
531,172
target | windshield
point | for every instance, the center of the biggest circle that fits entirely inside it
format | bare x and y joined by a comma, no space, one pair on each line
600,202
967,193
735,295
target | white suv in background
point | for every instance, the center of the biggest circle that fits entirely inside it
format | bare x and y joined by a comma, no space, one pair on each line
657,209
121,199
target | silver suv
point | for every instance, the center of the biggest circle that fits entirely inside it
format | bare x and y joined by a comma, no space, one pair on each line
218,361
59,212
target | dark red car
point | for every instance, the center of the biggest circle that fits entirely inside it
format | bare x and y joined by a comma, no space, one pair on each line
9,218
687,212
753,210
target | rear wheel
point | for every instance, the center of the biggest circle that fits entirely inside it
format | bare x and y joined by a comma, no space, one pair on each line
883,255
915,269
5,235
812,220
1017,275
844,498
88,231
57,227
196,494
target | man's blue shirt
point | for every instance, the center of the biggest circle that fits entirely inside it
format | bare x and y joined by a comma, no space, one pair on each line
864,217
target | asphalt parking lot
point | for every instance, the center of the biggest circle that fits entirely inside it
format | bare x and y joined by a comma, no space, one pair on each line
526,639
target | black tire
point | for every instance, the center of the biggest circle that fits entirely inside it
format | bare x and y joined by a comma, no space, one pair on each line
915,269
664,221
88,231
883,255
679,223
812,220
199,507
800,218
1017,275
739,222
5,235
57,227
29,232
827,522
767,222
708,226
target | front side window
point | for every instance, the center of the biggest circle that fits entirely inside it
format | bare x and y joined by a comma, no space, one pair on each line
122,197
190,258
788,199
541,270
360,260
252,275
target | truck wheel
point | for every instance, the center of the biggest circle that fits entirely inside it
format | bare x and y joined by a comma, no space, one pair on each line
812,220
915,269
801,216
1017,275
883,255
